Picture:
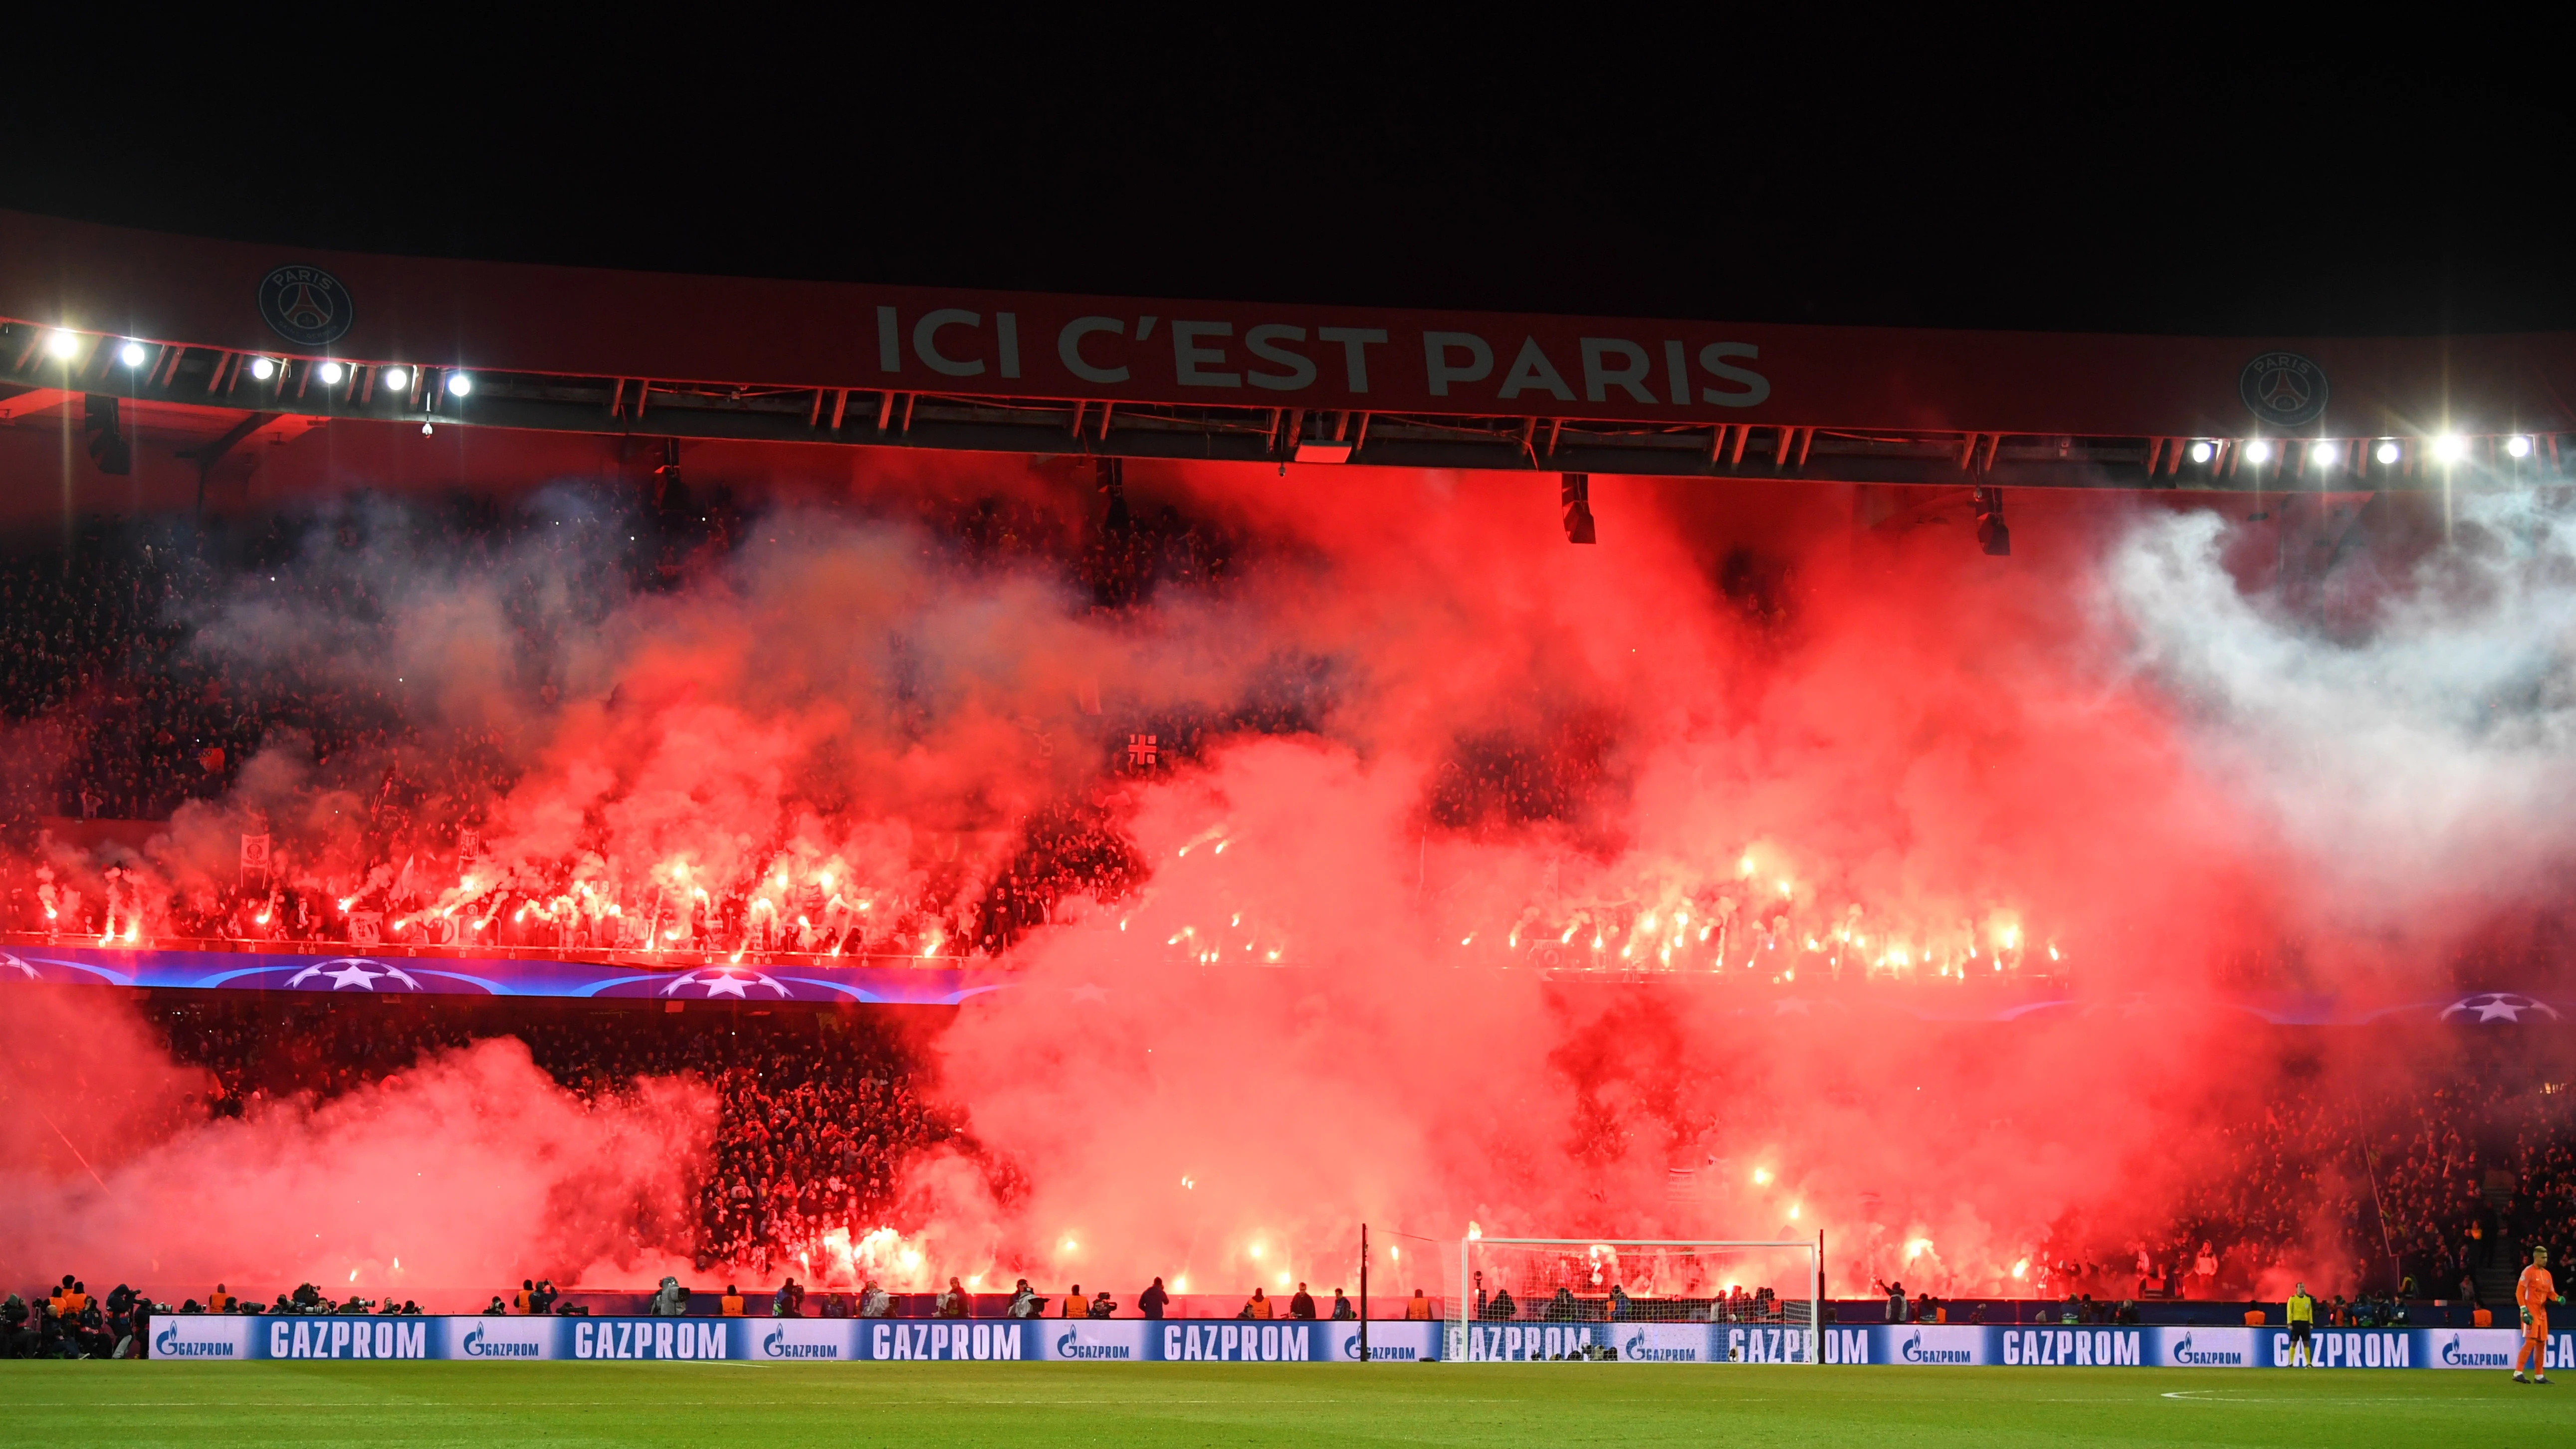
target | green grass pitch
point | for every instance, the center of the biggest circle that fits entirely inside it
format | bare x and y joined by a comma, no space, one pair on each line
1048,1406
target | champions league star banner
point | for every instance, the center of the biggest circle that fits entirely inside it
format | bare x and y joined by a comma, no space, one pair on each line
401,971
382,973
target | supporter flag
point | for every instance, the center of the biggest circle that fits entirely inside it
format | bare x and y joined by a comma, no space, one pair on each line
1140,750
254,855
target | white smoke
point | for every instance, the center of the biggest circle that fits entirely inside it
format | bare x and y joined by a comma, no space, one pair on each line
2417,759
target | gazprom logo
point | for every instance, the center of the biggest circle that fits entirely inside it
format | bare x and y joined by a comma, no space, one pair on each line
1071,1346
1635,1351
2457,1357
2184,1353
477,1347
168,1344
1377,1352
777,1346
1913,1351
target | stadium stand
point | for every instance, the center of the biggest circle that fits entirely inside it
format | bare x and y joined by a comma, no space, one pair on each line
111,715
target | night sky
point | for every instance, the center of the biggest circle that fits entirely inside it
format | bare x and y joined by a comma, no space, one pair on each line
2158,181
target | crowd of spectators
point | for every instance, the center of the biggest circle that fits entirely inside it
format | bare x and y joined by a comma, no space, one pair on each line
2407,1189
144,663
113,707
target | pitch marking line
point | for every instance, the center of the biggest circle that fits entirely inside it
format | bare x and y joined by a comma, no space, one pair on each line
2224,1396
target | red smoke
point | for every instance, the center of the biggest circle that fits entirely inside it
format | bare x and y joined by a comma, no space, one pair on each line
1759,743
1948,742
461,1174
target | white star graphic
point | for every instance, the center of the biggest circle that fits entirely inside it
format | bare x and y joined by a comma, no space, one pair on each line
2497,1006
352,974
6,959
727,984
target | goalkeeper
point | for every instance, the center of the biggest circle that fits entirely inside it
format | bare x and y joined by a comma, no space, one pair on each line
2535,1290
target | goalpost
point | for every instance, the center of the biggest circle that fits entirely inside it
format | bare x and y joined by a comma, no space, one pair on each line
1640,1300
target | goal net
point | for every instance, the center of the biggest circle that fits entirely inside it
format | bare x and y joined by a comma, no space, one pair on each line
1528,1300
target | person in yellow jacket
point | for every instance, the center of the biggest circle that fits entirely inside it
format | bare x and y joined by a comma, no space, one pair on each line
1075,1305
1258,1307
2301,1314
732,1304
1417,1309
219,1301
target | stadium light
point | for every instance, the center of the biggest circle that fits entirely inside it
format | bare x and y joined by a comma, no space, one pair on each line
399,379
2450,448
458,384
2323,454
332,372
2387,452
2203,451
2518,446
132,354
2258,451
263,368
62,344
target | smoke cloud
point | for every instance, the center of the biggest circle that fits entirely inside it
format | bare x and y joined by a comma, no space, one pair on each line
1418,768
443,1182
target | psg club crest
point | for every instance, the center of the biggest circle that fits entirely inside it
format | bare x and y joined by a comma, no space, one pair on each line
2283,389
306,305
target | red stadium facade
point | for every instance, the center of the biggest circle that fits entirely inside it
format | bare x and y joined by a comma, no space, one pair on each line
217,343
